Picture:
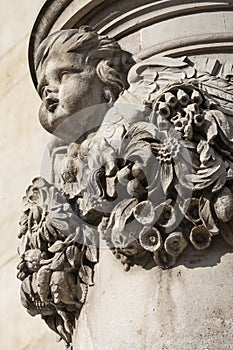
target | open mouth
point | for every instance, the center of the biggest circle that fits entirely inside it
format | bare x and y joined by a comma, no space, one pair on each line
52,107
51,103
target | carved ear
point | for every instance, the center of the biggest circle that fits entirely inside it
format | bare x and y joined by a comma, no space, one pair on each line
108,95
111,78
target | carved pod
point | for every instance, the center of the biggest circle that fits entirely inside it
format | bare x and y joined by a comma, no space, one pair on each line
200,237
223,205
175,243
182,97
150,239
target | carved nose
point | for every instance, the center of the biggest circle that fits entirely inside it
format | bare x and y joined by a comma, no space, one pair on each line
50,89
50,98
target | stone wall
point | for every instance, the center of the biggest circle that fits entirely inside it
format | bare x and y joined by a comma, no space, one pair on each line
22,145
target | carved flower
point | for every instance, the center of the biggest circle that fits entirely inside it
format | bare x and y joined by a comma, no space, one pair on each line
122,228
145,178
46,216
174,160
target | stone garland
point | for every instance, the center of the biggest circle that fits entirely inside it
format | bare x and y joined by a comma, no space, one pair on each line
152,189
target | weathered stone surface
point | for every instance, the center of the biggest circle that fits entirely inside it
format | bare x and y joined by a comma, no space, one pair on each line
148,171
22,144
186,307
17,20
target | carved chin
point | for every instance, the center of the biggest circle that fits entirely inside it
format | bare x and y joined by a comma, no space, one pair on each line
51,121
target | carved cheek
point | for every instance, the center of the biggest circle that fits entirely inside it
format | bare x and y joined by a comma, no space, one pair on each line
43,116
70,96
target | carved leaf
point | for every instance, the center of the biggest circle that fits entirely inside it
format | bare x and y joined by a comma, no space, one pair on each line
111,186
26,285
225,127
121,213
221,180
57,247
62,331
58,262
73,255
206,216
138,152
210,126
216,171
86,274
220,89
84,289
51,322
45,234
206,152
92,253
142,131
51,229
226,231
59,222
91,237
166,176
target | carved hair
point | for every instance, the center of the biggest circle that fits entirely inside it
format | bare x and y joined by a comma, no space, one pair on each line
105,54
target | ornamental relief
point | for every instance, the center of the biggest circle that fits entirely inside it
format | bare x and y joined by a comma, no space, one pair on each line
150,173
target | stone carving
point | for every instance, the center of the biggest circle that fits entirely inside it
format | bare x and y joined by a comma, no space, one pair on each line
75,69
163,182
154,176
55,268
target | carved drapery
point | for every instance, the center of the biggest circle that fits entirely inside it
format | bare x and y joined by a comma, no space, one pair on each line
154,180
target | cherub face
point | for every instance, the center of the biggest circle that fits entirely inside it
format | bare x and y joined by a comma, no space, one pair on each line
66,86
32,258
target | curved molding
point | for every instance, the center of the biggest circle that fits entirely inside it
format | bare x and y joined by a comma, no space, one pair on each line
117,19
196,44
136,19
49,13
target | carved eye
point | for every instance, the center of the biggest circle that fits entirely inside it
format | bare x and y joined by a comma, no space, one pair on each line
64,75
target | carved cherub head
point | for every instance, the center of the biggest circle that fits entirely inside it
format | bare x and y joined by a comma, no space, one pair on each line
32,258
64,288
76,69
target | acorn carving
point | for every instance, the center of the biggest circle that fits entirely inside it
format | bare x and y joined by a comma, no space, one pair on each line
223,205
